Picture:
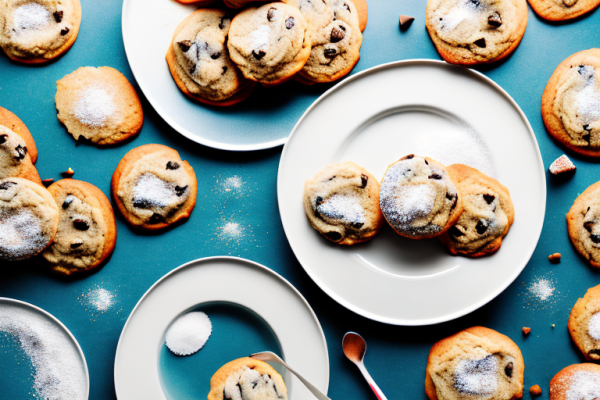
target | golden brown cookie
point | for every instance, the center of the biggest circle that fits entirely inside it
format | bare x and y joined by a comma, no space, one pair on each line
562,10
247,379
153,188
99,105
584,324
571,103
576,382
477,363
583,221
14,123
37,31
199,60
471,32
87,231
28,219
488,213
15,160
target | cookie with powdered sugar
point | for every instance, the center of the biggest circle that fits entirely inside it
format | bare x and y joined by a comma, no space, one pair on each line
14,123
583,222
562,10
418,198
576,382
342,203
476,363
98,105
584,324
153,188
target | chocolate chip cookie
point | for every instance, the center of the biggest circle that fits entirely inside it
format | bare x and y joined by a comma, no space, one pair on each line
487,215
562,10
342,203
571,103
576,382
269,43
477,363
87,232
153,188
470,32
336,38
418,198
199,60
14,123
583,221
98,105
28,219
584,324
247,379
37,31
15,160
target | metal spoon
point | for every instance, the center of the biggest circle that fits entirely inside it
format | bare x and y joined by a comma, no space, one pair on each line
355,348
268,356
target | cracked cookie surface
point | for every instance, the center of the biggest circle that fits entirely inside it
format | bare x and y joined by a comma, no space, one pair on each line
583,221
562,10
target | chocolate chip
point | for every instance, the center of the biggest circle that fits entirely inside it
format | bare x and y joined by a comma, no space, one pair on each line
139,202
224,71
357,225
586,71
489,198
289,23
481,227
454,231
449,196
271,14
223,19
193,69
6,185
58,16
364,179
332,178
337,34
318,201
335,236
435,176
476,3
47,182
426,163
185,45
495,19
330,53
216,55
595,238
586,137
586,127
258,54
81,225
480,43
410,157
172,165
68,200
508,370
179,191
347,7
75,244
594,354
3,138
588,226
21,152
156,219
64,31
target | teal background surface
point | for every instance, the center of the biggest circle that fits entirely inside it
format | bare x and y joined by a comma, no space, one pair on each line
397,356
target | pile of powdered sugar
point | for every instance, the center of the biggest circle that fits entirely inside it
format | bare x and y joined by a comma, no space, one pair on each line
188,333
20,234
463,11
346,209
95,106
59,371
594,326
477,377
588,104
581,385
151,191
31,16
259,38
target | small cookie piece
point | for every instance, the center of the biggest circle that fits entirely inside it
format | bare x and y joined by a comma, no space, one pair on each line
576,382
584,324
336,39
477,363
562,165
99,105
15,160
247,379
535,390
199,60
487,215
418,198
14,123
153,188
28,219
87,231
583,221
571,103
37,31
269,43
342,203
562,10
471,32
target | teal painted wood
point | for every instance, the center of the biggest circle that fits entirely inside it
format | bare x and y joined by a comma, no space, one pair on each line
397,356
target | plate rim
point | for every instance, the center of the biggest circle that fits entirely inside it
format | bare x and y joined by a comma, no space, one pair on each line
63,327
235,259
397,64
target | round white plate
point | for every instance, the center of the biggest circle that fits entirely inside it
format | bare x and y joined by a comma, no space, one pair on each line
226,279
374,118
51,324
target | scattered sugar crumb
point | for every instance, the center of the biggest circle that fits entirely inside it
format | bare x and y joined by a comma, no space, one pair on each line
98,300
188,333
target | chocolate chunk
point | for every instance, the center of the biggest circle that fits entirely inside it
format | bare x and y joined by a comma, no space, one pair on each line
586,127
495,19
258,54
435,176
223,19
47,182
319,201
185,45
586,137
449,196
64,31
335,236
216,55
68,173
508,370
426,163
271,14
193,69
289,23
140,202
81,225
364,179
489,198
77,243
454,231
586,71
481,227
405,21
3,138
58,16
595,238
476,3
332,178
179,191
156,219
588,226
594,354
224,71
357,225
330,53
68,200
347,7
6,185
337,34
480,43
172,165
21,152
409,157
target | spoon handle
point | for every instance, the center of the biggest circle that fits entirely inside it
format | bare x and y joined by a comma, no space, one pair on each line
371,382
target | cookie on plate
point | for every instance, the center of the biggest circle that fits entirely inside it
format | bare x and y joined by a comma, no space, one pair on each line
583,221
571,103
269,43
576,382
153,188
477,363
241,3
336,39
562,10
471,32
199,60
37,31
87,232
28,219
15,160
584,324
247,379
99,105
418,198
14,123
488,213
342,203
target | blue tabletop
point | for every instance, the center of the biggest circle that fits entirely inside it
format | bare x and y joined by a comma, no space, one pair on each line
397,356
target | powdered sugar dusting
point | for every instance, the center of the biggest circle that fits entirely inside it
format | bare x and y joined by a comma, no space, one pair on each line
21,235
588,103
31,17
188,334
95,106
582,385
151,191
464,10
594,326
477,377
543,289
346,209
259,38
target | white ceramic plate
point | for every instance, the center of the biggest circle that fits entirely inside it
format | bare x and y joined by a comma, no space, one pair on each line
374,118
226,279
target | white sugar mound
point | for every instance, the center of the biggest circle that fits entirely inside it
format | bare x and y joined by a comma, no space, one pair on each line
20,234
59,371
153,191
463,11
94,107
583,385
477,377
188,334
347,209
259,38
588,104
594,326
31,17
